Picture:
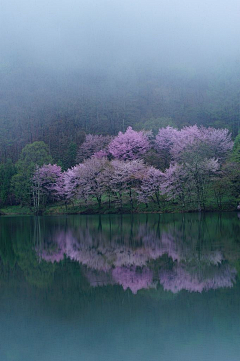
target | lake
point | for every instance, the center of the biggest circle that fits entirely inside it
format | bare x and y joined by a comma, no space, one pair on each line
131,287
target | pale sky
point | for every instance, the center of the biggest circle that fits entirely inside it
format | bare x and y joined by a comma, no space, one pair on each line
111,34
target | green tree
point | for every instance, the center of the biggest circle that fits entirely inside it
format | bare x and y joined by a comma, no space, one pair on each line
33,154
70,157
236,150
154,124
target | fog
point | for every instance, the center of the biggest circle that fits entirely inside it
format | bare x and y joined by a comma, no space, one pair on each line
111,35
69,67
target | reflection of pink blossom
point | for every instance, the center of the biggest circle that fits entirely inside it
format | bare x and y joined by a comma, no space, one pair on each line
99,278
180,278
98,254
53,257
127,262
213,257
131,277
157,247
55,254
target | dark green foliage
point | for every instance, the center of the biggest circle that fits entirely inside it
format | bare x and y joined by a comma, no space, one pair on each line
153,158
70,157
154,124
236,150
33,154
227,185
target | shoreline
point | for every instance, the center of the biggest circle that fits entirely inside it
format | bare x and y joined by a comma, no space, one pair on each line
25,211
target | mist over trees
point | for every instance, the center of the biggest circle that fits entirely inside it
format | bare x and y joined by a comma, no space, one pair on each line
63,109
74,74
71,68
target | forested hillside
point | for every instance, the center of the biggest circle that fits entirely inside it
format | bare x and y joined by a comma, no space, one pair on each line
59,108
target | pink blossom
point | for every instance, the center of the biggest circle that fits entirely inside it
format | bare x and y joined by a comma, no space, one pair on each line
48,181
206,142
92,145
150,185
129,145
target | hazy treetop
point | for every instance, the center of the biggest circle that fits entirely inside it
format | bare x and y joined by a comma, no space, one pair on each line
112,35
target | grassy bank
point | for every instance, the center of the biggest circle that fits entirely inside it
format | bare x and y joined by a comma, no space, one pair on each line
93,208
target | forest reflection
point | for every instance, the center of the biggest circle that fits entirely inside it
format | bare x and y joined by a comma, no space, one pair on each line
195,253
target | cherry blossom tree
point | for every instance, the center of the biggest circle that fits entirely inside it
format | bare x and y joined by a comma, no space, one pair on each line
176,145
164,142
150,185
71,182
176,183
129,145
196,154
218,142
126,178
92,144
88,180
93,176
189,181
47,185
205,142
201,173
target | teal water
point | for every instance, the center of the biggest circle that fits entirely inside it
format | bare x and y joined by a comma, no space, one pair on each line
144,287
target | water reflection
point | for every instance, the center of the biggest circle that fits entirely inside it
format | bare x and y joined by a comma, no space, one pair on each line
181,253
89,288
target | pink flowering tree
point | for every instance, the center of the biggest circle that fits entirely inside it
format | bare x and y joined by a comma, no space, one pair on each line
218,142
176,183
202,142
93,144
149,189
71,182
197,154
164,142
47,185
126,178
129,145
188,182
202,173
93,178
177,145
87,180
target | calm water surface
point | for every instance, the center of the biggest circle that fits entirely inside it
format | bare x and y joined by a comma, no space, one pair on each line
145,287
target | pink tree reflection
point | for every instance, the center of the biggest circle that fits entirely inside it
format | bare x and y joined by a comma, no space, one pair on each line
132,264
182,277
133,278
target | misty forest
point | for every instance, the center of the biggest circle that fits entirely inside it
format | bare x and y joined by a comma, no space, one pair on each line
119,180
105,114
